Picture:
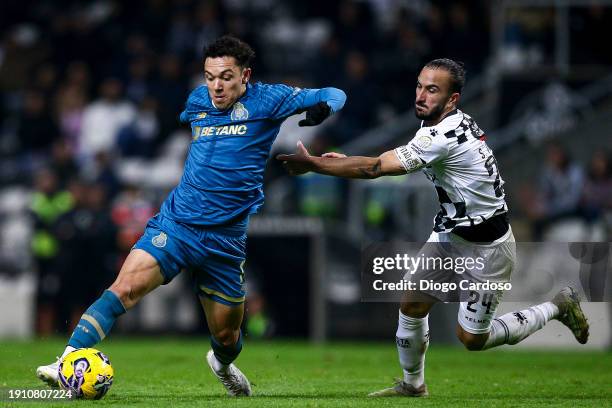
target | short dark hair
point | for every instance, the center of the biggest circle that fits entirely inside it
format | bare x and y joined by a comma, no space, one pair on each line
454,68
230,46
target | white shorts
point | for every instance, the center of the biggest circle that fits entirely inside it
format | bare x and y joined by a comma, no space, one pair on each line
477,306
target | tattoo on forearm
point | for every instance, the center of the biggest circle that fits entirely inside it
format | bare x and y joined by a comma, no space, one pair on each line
372,171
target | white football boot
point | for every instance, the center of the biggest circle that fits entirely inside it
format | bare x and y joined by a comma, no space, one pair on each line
49,373
402,389
236,383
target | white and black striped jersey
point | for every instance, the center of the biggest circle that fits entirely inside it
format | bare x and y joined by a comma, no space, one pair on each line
454,156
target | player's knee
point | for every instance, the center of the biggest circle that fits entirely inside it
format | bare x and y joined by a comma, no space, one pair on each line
128,291
227,336
124,292
472,342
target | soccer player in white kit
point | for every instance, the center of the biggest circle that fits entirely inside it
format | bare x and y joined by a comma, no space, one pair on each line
451,149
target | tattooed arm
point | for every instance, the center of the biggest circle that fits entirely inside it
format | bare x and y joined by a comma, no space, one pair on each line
339,165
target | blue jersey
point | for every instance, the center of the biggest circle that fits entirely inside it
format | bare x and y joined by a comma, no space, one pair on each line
223,177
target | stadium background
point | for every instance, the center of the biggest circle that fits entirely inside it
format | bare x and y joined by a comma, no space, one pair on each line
90,145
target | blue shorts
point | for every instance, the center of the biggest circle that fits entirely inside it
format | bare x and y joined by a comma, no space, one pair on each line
215,256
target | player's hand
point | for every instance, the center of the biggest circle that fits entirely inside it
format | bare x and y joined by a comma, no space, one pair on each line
333,155
316,114
298,163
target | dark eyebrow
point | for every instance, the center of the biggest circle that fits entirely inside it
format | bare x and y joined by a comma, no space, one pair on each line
222,72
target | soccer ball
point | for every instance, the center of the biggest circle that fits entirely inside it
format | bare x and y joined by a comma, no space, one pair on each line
87,373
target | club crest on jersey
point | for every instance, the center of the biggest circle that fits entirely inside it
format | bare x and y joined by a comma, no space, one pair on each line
239,112
424,142
160,240
201,115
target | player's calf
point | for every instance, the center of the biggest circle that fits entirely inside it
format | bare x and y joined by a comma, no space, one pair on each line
227,337
472,342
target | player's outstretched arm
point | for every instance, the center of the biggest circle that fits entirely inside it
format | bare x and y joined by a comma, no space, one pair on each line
361,167
321,104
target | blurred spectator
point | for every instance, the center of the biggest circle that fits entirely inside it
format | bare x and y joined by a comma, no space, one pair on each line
399,62
355,26
48,204
180,35
597,191
207,26
170,90
63,163
463,28
36,130
435,32
586,24
101,170
139,137
326,65
258,323
560,190
360,112
130,212
103,119
78,75
70,105
22,50
45,79
528,37
87,248
138,85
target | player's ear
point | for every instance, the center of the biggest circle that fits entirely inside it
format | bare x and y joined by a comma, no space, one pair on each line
246,75
454,99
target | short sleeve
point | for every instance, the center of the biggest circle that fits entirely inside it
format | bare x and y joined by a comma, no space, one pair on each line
423,150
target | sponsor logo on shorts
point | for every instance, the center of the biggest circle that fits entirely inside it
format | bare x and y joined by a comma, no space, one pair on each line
160,240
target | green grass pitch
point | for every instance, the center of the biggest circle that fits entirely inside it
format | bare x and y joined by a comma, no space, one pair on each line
170,372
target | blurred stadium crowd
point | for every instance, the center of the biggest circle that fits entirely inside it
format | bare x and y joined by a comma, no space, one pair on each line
91,91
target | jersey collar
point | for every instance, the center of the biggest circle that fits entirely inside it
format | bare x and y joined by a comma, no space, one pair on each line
448,115
451,113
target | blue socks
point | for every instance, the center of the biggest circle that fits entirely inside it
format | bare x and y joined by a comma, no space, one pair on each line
226,354
97,321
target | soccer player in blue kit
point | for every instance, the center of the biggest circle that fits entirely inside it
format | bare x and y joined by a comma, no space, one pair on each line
202,224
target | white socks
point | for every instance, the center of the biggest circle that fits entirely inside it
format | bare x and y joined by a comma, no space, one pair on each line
513,327
412,339
67,350
412,336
